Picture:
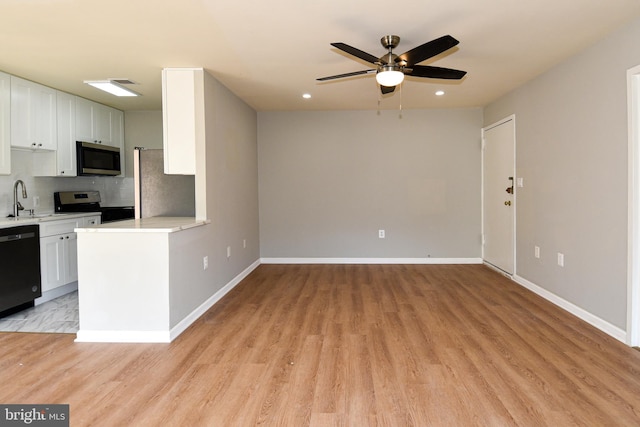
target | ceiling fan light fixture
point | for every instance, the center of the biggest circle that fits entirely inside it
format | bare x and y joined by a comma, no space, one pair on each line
389,76
111,87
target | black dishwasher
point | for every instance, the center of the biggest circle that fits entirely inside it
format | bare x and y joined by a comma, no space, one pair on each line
19,266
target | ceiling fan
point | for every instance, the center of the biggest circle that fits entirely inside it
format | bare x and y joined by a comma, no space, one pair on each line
391,68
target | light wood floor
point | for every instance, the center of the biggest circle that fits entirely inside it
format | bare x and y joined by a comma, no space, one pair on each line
345,345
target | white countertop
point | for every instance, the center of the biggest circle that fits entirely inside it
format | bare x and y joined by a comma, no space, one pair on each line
146,225
43,217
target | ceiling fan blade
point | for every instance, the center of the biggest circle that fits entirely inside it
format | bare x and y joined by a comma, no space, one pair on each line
427,50
356,52
339,76
435,72
387,89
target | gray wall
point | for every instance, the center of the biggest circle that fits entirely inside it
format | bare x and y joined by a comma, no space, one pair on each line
141,129
229,189
330,180
231,180
571,131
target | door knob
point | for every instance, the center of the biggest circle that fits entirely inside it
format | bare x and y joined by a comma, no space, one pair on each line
507,203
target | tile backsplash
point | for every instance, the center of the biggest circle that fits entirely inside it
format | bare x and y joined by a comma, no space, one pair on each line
113,191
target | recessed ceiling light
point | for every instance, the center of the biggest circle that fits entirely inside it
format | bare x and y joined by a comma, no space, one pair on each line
440,93
306,95
111,87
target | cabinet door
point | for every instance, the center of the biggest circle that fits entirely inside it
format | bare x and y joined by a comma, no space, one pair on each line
45,117
66,153
22,127
84,120
5,121
71,257
182,108
33,115
103,115
52,262
94,122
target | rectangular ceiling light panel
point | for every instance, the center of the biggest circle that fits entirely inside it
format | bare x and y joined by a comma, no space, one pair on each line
111,87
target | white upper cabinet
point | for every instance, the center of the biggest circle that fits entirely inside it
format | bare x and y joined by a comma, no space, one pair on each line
61,162
103,117
66,154
117,129
183,118
97,123
84,120
100,124
5,124
33,115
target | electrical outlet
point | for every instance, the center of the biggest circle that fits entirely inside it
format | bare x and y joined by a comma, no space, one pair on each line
205,262
536,251
560,259
381,234
244,243
228,251
36,201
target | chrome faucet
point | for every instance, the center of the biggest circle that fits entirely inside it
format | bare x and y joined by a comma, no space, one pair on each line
17,206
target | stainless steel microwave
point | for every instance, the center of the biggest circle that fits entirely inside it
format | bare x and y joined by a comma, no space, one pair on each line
97,159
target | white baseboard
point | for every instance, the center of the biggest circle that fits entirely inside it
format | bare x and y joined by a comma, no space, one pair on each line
195,314
168,336
123,336
371,260
581,313
163,336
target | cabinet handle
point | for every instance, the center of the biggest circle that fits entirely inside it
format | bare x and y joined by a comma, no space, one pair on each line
61,238
66,237
39,145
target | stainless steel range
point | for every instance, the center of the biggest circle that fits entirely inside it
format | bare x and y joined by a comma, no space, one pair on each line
89,201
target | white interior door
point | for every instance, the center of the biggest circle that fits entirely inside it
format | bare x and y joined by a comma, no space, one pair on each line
498,201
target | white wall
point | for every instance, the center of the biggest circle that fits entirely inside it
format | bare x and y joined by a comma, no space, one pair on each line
330,180
114,191
571,131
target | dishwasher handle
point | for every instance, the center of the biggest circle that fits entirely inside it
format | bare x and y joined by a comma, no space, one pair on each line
21,236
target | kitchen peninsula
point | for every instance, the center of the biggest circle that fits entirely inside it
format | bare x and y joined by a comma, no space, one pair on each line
134,279
147,280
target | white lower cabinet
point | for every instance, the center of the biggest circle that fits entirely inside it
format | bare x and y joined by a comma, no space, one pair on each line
59,260
58,253
59,250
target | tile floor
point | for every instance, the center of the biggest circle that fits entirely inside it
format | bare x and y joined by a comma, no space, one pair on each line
59,315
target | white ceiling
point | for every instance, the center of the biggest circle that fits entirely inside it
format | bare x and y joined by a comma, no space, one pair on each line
270,52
